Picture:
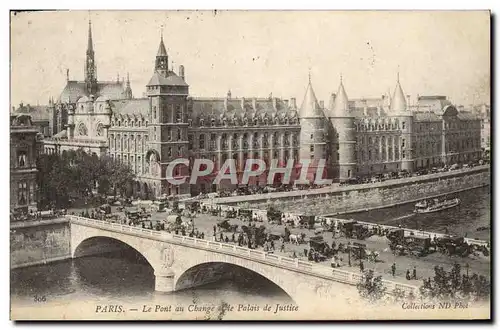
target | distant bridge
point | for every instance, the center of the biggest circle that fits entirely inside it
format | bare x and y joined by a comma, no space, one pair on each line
181,262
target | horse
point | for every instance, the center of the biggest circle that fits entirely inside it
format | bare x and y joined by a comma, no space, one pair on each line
294,239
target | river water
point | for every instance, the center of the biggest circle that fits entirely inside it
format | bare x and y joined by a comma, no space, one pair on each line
127,278
473,212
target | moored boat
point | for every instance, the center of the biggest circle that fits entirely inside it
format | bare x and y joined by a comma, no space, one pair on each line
435,205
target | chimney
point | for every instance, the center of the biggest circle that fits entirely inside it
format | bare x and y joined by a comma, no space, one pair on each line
365,108
181,72
228,96
254,104
286,103
275,105
322,104
408,97
242,103
293,102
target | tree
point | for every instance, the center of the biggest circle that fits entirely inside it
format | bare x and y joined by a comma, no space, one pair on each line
75,174
370,287
453,284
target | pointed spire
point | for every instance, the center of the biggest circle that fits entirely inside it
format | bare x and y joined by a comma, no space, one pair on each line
90,46
341,104
162,51
398,102
310,107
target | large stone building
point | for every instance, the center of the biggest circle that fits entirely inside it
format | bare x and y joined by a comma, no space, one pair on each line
25,145
355,137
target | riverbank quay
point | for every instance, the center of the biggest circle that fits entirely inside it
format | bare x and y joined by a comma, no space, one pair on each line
335,200
38,242
336,188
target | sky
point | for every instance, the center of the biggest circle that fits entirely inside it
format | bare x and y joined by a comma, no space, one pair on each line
256,53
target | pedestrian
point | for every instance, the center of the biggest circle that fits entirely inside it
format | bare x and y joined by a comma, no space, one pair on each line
227,240
393,269
294,254
305,252
215,229
232,238
361,266
221,237
414,272
408,277
272,245
282,249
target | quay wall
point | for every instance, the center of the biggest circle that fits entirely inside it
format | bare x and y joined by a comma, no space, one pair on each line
39,242
375,196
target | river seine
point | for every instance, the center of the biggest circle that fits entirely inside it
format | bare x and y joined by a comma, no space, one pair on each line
473,212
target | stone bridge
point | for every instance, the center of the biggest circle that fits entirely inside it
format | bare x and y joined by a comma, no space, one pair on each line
181,262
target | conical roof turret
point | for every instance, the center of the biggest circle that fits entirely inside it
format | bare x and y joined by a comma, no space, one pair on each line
310,107
398,102
341,104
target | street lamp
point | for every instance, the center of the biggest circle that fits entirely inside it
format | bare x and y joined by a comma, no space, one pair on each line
349,252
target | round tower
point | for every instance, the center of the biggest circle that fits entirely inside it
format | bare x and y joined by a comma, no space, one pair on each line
399,109
312,133
344,136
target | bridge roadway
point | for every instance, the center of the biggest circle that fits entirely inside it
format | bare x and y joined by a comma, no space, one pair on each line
181,262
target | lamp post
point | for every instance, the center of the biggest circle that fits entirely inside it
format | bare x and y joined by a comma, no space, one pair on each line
349,252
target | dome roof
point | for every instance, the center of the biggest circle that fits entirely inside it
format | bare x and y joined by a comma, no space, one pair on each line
83,99
102,98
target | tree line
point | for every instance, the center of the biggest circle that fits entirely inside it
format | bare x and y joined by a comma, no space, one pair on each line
454,284
75,174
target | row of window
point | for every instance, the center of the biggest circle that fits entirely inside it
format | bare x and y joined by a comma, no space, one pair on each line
242,141
258,121
135,143
363,127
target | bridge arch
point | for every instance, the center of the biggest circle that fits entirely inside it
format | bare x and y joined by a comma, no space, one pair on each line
210,272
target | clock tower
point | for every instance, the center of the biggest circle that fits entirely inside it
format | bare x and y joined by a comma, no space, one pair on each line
90,66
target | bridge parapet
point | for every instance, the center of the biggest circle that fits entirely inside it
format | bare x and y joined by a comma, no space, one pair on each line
293,264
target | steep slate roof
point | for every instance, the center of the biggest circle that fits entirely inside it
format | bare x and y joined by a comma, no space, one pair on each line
76,89
310,107
217,107
131,107
172,79
426,116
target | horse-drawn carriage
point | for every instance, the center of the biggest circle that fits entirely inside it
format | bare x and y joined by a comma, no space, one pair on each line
358,251
225,225
450,245
317,243
412,245
231,214
245,214
307,221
